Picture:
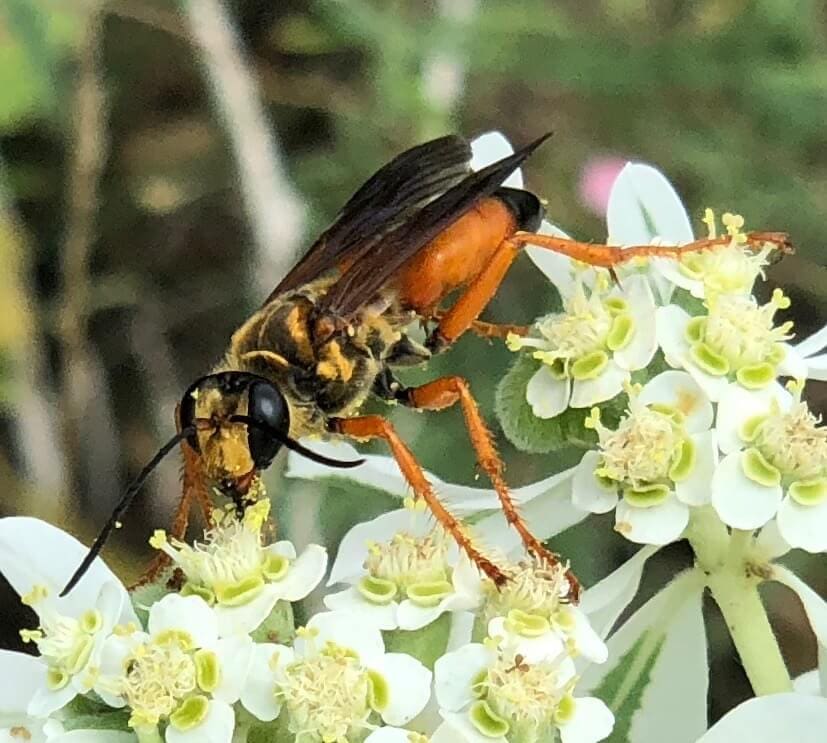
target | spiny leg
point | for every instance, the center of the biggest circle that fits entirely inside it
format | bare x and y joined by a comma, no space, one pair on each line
376,427
447,391
193,487
609,256
485,329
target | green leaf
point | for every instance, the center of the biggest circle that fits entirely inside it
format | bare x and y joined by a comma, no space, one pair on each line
537,435
279,626
89,713
146,595
623,687
426,644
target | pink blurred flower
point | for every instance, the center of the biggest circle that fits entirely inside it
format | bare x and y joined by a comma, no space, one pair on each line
596,179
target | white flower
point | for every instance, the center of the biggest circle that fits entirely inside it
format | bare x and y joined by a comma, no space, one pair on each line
779,717
655,465
336,682
35,558
775,463
533,614
411,572
736,341
589,349
488,692
233,571
179,672
727,269
24,676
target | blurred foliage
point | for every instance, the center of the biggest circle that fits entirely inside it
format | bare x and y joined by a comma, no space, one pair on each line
728,97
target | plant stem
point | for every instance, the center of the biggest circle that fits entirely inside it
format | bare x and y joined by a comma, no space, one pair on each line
734,586
242,729
148,734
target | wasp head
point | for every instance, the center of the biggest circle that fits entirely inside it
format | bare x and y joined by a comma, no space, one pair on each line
240,421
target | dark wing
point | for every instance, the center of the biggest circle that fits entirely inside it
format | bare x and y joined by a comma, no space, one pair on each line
385,201
375,266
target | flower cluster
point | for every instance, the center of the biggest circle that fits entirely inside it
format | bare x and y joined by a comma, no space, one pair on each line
669,371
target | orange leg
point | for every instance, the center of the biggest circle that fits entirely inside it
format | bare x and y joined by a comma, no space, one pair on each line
447,391
608,256
376,427
194,488
479,292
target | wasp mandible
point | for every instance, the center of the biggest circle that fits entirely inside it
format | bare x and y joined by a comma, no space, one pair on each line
336,328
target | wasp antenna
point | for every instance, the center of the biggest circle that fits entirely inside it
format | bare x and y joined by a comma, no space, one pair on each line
123,504
295,446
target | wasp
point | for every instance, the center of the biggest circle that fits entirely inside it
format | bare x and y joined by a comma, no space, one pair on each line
337,328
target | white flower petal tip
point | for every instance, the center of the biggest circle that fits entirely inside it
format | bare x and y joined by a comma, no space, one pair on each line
643,206
592,721
490,147
409,685
188,613
606,386
779,717
659,525
589,493
803,527
455,672
547,395
741,502
216,727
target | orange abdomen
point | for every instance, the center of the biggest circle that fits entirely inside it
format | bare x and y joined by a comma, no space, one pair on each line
455,256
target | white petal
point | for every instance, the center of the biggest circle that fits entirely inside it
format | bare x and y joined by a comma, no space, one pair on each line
547,646
813,343
413,617
235,655
463,731
769,543
258,695
189,613
671,322
659,524
462,627
587,492
304,574
712,385
382,616
454,673
671,625
592,721
694,490
793,365
670,270
33,552
804,527
23,675
467,581
644,342
737,405
243,619
91,736
740,502
643,205
814,606
681,391
409,685
605,601
389,734
46,702
490,147
607,385
284,548
772,719
216,727
546,516
345,630
547,395
808,683
587,641
348,567
817,367
558,268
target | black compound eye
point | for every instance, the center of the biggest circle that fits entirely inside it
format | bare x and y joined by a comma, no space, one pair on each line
266,404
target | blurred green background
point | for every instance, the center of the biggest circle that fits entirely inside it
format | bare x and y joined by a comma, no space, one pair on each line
162,164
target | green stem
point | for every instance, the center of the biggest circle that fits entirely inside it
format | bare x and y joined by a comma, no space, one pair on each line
734,586
148,734
242,730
